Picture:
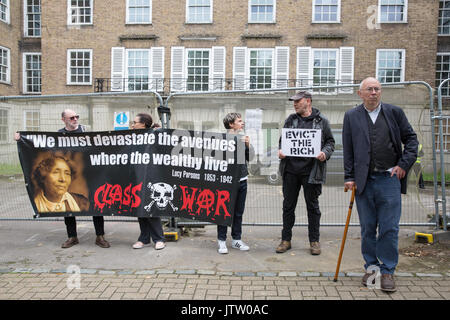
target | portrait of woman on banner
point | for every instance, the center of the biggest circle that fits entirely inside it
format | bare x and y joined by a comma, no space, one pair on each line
53,177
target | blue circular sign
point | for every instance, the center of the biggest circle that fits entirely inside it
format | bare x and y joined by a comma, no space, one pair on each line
121,118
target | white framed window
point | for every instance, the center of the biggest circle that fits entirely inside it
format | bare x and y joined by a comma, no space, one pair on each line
261,68
326,11
32,76
79,66
139,12
31,120
392,11
444,18
199,11
4,11
32,18
443,72
261,11
198,69
138,69
390,65
80,12
5,65
4,125
325,66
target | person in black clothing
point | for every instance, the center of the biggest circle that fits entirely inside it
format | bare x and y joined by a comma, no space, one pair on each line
309,173
234,124
151,227
70,119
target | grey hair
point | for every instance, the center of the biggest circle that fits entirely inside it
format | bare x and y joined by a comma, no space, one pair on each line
230,118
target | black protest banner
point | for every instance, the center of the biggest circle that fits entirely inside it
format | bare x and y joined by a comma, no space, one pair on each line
143,173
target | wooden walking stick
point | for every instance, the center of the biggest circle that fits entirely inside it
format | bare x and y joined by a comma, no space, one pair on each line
345,232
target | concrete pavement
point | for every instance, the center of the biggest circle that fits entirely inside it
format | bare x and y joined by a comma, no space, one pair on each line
33,266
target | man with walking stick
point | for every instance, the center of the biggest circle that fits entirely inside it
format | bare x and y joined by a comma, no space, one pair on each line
376,165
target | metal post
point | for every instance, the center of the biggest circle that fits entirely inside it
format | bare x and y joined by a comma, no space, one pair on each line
173,231
441,154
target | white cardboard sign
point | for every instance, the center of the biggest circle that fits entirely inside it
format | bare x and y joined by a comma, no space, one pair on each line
301,142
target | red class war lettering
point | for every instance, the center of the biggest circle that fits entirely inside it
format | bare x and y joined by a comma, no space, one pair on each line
195,201
115,196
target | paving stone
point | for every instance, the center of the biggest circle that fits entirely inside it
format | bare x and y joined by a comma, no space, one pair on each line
106,272
185,272
309,274
145,272
429,275
287,274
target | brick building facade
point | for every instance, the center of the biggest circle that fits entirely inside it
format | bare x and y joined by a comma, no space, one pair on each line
73,46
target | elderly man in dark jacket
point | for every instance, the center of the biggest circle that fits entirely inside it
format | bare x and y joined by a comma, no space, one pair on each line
375,164
309,173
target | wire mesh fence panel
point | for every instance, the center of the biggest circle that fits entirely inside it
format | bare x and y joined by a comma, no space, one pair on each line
264,114
41,113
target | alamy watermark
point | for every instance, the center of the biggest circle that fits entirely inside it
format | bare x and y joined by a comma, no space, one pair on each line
74,280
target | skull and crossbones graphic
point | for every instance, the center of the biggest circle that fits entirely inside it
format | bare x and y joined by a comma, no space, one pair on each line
162,195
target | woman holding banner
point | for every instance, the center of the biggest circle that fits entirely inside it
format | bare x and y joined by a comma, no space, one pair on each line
150,227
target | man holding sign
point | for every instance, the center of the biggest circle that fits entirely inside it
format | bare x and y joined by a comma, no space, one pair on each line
305,146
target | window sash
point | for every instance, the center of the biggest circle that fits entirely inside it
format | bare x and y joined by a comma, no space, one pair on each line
390,65
4,11
3,125
139,12
199,11
31,120
261,11
32,78
32,21
326,11
444,17
80,12
392,11
4,65
138,70
443,72
325,68
261,68
79,66
198,69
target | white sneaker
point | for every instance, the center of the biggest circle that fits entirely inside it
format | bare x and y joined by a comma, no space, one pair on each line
140,245
160,245
239,244
222,247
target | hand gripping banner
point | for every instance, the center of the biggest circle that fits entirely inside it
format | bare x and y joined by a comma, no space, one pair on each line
142,173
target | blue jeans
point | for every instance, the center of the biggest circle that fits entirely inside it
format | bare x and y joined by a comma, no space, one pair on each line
380,206
236,227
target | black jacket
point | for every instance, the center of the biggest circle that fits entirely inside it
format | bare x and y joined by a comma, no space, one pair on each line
356,143
319,169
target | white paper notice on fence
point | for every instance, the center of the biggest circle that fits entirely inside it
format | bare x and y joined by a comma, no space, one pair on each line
301,142
253,128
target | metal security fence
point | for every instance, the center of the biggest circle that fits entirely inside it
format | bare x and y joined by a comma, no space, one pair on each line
263,110
205,111
441,150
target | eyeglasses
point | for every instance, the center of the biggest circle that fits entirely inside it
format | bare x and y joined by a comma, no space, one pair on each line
370,89
134,122
74,117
